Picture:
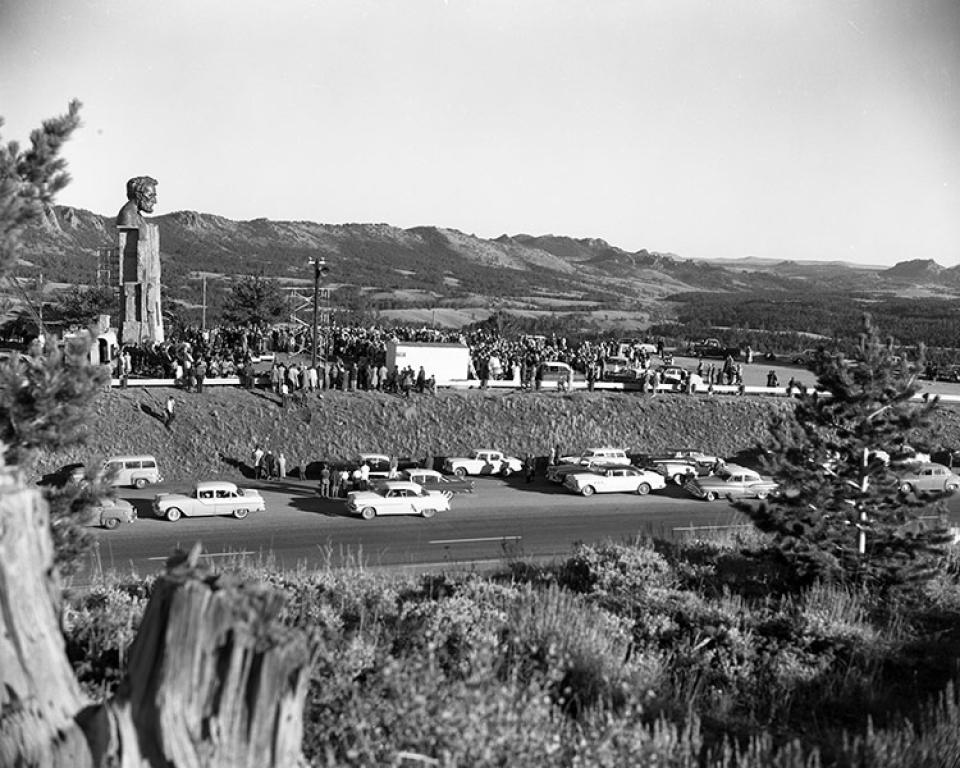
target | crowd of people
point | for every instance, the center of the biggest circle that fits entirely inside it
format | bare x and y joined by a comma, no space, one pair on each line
355,358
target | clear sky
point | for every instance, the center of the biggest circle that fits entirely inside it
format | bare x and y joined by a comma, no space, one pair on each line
802,129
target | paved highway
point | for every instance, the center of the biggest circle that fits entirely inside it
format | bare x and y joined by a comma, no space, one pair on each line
502,519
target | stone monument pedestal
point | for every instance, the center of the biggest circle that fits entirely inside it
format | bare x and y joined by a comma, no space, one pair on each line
140,318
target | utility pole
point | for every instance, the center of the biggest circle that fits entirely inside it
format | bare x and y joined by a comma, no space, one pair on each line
203,315
319,268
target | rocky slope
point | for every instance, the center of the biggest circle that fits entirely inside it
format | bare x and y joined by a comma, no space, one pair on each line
214,433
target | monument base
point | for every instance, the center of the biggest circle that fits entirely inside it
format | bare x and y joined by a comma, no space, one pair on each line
140,319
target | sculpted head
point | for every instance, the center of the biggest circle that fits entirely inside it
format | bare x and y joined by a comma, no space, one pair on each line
142,190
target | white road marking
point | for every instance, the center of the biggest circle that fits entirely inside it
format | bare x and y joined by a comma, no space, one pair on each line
471,541
211,554
711,527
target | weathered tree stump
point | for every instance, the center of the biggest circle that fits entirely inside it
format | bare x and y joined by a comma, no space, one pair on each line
214,679
39,695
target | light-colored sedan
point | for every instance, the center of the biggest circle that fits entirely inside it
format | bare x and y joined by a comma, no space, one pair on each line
397,497
110,513
928,478
212,497
733,481
483,461
615,480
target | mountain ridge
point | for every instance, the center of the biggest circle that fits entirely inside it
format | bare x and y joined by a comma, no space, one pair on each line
442,266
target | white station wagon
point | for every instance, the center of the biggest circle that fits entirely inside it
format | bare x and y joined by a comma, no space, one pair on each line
213,497
598,456
397,497
615,480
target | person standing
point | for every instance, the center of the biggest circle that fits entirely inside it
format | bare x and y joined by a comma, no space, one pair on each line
168,411
325,481
257,461
529,468
270,464
282,466
200,371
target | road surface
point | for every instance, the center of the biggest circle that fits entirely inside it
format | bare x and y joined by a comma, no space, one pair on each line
503,519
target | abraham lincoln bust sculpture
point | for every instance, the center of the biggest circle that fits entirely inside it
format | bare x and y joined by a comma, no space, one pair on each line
141,198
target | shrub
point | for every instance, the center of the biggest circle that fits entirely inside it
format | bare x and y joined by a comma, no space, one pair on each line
614,573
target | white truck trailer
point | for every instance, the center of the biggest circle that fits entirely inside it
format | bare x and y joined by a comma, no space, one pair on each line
447,362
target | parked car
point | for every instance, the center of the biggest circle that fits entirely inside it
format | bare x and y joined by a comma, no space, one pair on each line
557,372
713,348
627,346
617,368
110,513
212,497
908,456
432,480
675,464
69,473
928,478
483,462
133,470
733,480
397,497
379,463
614,480
557,473
672,374
595,455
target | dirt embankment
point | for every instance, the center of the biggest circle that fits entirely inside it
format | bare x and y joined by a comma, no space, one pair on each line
214,433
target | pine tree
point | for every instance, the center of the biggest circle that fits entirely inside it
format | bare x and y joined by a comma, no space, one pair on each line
840,514
44,396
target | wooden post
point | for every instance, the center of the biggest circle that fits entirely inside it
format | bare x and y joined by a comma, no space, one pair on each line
214,678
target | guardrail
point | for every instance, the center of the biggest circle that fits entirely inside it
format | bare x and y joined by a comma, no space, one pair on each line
615,386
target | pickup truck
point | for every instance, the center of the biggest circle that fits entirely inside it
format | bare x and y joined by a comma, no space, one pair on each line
713,348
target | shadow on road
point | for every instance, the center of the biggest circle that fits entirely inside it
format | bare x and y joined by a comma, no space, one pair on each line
315,504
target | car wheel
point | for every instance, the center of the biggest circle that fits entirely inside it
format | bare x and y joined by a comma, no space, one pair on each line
587,490
905,488
240,513
173,514
711,496
643,489
110,523
506,471
762,494
140,482
460,472
951,488
368,513
678,479
428,513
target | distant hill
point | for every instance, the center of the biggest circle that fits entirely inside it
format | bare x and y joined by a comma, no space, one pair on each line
410,271
915,270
